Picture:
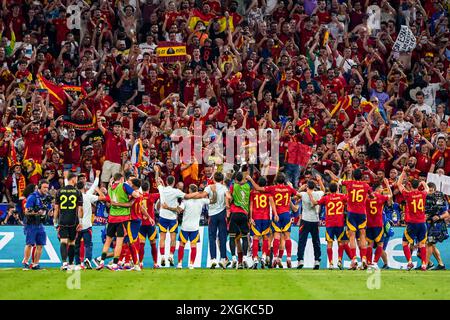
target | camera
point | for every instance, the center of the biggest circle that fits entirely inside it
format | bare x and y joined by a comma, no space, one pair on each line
126,114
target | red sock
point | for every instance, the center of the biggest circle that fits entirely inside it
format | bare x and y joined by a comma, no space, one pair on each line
363,253
280,253
240,257
265,247
276,245
423,256
154,253
353,253
288,248
82,250
128,254
378,252
141,251
407,252
348,250
193,254
135,252
330,255
162,250
369,252
172,249
340,251
180,253
255,248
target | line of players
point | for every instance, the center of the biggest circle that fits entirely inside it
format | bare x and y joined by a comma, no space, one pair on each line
255,208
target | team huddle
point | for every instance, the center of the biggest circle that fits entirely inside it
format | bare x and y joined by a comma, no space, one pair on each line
254,216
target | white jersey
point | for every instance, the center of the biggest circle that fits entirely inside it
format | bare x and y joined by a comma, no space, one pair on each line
88,200
219,205
192,213
169,196
310,213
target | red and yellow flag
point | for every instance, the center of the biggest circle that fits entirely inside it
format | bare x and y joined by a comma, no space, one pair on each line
56,93
197,16
343,103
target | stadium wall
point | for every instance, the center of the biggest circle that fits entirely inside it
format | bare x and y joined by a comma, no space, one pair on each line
12,241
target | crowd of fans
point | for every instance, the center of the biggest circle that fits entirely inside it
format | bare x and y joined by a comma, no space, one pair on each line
281,65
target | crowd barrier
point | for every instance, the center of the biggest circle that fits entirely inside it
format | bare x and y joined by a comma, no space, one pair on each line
12,241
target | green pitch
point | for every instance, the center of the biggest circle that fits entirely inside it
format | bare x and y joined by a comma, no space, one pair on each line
225,284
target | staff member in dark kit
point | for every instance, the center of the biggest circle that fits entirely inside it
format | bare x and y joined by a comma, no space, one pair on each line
69,210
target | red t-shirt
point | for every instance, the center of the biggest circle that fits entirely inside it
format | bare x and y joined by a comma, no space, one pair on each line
33,145
282,196
357,192
415,206
374,209
260,205
114,147
441,160
334,206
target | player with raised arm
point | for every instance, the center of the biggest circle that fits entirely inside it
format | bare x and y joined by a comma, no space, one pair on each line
281,193
168,219
260,205
375,224
357,192
239,207
334,203
190,225
148,227
416,228
68,215
119,193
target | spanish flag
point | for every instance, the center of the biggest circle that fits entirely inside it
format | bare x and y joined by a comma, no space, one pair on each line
197,16
343,103
56,93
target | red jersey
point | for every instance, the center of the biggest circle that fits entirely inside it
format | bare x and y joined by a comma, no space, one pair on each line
150,199
357,192
135,210
282,196
415,206
334,207
260,205
374,209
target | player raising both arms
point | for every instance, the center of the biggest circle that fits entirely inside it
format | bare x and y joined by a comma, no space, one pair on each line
357,192
260,205
334,222
281,223
68,215
375,224
416,228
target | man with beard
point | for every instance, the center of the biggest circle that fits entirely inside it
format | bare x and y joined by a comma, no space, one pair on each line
33,137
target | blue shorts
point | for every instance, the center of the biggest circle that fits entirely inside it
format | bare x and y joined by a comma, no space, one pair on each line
148,232
35,235
283,224
192,236
415,232
345,236
332,233
133,227
168,225
261,228
356,221
375,234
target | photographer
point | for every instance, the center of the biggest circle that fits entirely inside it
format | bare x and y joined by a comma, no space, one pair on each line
12,218
436,210
35,214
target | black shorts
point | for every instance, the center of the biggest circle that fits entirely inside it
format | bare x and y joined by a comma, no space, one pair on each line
238,224
116,229
67,232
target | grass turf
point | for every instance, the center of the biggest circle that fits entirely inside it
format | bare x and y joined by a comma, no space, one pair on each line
201,284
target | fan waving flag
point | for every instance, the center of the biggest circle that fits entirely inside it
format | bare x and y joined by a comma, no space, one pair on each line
197,16
343,103
56,93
